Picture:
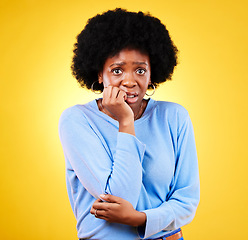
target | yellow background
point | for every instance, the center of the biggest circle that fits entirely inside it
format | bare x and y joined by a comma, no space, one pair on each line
36,85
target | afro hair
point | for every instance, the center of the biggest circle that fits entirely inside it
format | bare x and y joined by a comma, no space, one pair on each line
107,34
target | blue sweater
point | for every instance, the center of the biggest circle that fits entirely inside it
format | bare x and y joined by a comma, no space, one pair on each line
156,171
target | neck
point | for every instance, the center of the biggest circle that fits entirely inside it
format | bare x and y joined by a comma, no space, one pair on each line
138,111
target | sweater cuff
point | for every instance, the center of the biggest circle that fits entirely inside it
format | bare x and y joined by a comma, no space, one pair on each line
155,221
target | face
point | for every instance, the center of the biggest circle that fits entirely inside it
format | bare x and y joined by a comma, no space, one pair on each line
130,71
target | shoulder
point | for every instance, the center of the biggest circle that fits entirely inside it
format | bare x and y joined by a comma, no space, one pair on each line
71,113
170,114
171,109
173,114
75,114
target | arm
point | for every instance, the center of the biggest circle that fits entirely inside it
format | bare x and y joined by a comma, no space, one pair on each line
180,207
183,199
90,158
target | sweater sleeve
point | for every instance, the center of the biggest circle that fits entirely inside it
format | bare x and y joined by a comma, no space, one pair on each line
182,201
89,157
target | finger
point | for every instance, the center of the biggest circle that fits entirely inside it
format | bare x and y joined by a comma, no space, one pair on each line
114,93
107,92
102,217
97,201
92,210
102,205
100,213
95,211
122,95
111,198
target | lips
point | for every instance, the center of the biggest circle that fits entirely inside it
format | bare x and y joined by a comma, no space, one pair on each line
132,94
131,97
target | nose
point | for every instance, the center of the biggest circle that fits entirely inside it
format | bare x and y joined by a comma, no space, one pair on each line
129,81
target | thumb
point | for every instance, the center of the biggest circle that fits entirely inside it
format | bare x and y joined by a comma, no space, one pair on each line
110,198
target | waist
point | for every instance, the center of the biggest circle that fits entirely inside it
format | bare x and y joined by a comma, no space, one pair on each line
174,235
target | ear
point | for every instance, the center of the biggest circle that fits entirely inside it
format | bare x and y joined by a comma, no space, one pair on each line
100,78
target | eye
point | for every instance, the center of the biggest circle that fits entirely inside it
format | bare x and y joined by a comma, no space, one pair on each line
141,71
116,71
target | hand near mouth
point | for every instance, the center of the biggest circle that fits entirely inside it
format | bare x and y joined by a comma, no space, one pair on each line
115,101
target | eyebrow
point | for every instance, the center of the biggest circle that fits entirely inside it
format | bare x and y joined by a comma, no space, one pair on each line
123,63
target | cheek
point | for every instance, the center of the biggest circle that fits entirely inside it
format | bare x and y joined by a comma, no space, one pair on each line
106,80
145,84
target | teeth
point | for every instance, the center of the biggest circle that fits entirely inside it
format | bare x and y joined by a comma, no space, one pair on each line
130,96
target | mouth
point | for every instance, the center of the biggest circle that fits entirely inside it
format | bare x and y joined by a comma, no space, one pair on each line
131,97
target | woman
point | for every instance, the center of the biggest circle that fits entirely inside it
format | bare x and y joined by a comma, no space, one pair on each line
131,163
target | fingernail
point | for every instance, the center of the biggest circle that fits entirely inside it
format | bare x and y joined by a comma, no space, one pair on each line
102,195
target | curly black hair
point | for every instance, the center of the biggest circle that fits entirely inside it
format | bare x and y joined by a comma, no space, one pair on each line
107,34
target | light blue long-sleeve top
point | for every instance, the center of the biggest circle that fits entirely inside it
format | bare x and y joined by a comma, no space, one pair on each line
156,170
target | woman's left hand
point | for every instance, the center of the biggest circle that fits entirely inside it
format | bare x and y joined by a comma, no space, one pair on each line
117,210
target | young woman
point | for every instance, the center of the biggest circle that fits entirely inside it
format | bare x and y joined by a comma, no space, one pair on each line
131,163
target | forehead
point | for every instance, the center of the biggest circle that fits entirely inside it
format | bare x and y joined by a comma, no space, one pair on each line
129,56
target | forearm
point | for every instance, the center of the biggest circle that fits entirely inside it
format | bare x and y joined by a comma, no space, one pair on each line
137,219
114,169
125,179
127,126
117,172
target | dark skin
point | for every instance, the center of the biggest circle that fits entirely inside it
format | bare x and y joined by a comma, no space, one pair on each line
117,210
125,77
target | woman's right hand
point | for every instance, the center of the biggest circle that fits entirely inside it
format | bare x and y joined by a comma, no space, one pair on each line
114,101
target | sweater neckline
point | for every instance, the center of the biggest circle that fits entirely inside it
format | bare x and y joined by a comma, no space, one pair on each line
146,113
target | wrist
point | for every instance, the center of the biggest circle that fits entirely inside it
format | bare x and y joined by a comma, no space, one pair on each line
139,219
127,126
